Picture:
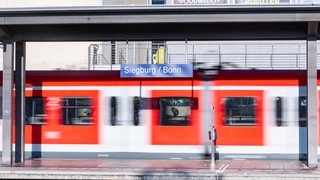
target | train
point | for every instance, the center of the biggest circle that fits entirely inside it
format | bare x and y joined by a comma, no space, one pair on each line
257,114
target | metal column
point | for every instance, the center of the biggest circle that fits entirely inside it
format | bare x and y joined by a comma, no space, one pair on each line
208,73
7,101
206,113
20,101
312,94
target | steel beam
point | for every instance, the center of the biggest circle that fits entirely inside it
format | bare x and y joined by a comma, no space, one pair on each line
312,94
20,101
157,23
7,95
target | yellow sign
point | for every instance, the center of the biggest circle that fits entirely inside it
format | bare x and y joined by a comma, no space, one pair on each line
158,57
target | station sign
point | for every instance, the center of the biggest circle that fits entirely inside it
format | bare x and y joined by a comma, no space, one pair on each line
156,70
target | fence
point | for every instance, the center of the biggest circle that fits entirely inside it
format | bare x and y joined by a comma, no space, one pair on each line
232,55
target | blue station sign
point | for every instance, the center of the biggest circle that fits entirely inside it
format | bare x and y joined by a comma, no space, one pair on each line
155,70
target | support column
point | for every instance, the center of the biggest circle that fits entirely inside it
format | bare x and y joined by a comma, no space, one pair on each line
20,101
312,94
206,113
7,102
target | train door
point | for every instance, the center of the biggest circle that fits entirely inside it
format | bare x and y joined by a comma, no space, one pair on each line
175,126
123,131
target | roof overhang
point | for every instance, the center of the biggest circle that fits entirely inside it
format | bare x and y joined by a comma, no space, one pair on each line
160,22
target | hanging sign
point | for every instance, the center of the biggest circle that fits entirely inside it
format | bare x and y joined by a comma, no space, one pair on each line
156,70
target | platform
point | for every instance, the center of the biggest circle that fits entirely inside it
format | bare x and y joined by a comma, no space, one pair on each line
48,168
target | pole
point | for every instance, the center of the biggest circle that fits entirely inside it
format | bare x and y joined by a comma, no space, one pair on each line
213,137
209,120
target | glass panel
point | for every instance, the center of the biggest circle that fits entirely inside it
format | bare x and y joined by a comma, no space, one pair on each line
278,111
158,1
136,110
76,111
113,105
1,107
240,111
175,111
34,113
303,111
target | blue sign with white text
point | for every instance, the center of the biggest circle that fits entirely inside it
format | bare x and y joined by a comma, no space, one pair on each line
156,70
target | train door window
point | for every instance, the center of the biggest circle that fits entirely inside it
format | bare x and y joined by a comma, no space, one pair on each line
240,111
279,111
34,111
302,111
76,111
175,111
113,113
1,107
136,110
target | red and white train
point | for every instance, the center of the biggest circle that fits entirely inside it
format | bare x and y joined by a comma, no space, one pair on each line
257,114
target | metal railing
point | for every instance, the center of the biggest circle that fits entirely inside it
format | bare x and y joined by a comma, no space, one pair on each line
233,55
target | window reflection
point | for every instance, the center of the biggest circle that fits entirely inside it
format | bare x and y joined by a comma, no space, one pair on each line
240,111
175,111
76,111
278,101
303,111
34,111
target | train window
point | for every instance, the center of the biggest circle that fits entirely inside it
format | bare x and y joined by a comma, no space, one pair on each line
175,111
278,111
240,111
34,112
302,111
136,110
113,104
76,111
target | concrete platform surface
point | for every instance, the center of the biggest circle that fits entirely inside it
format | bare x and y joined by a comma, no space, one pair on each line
48,168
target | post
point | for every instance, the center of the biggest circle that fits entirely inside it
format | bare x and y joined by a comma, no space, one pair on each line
7,95
213,137
206,113
186,51
312,102
127,52
312,125
208,74
20,101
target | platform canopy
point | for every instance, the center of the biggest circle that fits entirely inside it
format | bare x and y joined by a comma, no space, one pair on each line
150,23
159,22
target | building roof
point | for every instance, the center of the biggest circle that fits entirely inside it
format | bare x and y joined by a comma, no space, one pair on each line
160,22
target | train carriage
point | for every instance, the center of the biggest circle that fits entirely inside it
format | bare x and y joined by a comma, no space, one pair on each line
257,114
